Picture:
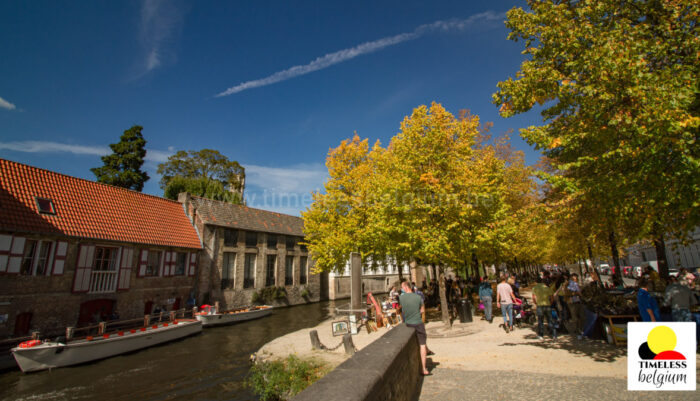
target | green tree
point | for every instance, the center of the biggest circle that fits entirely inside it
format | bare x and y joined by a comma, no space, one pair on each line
618,82
206,173
342,219
122,168
438,194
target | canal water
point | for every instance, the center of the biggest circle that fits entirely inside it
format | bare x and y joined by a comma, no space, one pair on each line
210,366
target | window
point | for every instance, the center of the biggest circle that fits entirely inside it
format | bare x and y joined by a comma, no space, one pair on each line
105,259
302,247
35,258
28,257
249,271
230,237
227,270
251,239
291,243
45,206
180,263
272,241
42,265
289,271
153,265
270,276
302,270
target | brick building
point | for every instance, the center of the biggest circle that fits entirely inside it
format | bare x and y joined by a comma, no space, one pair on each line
246,250
73,251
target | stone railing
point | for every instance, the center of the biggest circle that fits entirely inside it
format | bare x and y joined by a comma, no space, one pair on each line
387,369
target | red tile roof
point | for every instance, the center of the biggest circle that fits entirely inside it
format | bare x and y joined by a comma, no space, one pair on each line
89,209
246,218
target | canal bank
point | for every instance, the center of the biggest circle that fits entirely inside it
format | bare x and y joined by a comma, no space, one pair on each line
210,366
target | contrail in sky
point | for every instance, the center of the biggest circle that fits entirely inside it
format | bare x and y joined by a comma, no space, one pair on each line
364,48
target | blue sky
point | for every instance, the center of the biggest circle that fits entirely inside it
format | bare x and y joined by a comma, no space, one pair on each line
270,84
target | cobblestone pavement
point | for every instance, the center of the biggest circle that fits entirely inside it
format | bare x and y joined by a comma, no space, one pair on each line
454,384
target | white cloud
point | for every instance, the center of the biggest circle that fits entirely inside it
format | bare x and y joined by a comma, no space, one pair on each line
159,156
364,48
4,104
160,20
155,156
53,147
300,178
283,189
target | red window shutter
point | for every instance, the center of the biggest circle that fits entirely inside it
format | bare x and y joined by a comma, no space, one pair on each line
192,264
83,268
5,245
59,259
15,257
143,261
126,263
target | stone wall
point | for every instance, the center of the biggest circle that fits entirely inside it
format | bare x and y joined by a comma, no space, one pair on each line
387,369
232,293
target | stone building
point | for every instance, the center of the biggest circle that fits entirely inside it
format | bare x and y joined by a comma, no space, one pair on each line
73,251
247,250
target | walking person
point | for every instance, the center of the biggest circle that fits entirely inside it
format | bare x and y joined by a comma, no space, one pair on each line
504,300
574,301
412,307
648,307
542,298
679,296
486,298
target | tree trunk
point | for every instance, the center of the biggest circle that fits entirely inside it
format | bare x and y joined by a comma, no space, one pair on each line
615,254
590,255
444,308
475,262
661,260
434,273
400,267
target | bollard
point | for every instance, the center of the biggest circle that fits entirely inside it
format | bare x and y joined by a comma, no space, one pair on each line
349,346
102,327
216,307
146,320
69,333
315,341
194,312
172,315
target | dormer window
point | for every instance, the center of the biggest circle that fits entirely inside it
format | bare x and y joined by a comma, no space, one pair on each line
45,205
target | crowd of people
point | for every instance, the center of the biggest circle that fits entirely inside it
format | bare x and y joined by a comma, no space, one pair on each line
556,297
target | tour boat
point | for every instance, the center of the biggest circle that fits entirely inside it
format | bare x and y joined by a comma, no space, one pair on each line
38,355
210,316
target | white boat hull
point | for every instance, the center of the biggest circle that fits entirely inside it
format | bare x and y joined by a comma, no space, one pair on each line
219,319
55,355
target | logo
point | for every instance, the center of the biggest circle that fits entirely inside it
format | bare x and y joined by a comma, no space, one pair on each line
661,356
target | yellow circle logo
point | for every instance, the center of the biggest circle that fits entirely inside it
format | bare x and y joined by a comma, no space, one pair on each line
661,338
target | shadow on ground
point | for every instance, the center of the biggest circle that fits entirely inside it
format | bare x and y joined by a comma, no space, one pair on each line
596,350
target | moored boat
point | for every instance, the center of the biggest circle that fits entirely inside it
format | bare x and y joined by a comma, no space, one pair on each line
210,315
40,355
